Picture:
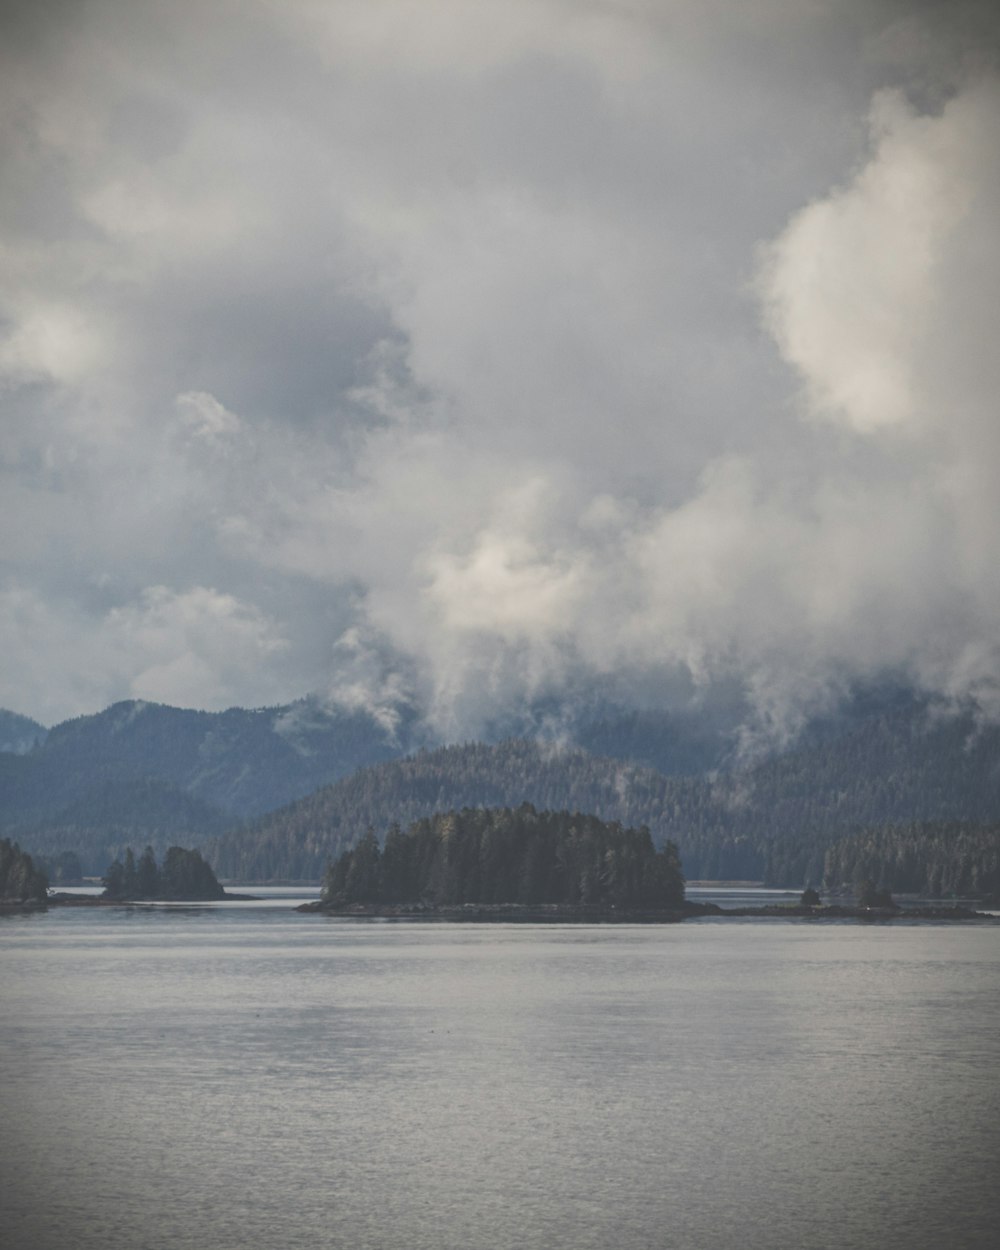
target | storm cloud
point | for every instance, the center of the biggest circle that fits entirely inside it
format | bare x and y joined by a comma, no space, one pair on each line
467,352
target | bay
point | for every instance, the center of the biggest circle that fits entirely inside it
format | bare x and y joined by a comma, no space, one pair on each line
242,1076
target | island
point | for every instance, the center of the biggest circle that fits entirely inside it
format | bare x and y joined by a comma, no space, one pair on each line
183,877
521,865
507,864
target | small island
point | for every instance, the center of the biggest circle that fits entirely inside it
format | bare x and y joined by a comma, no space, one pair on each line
520,865
183,877
507,864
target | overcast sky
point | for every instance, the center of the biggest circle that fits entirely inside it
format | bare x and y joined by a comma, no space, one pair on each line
472,350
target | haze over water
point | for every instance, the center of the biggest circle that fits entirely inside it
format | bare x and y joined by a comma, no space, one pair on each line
244,1077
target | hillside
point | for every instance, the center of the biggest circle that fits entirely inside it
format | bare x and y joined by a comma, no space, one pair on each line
146,770
112,816
19,734
141,773
938,860
276,793
297,841
774,821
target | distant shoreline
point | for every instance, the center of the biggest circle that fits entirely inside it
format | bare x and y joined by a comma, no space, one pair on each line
593,913
544,913
98,900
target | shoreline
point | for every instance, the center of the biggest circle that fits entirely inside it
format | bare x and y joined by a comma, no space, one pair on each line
98,900
545,913
594,913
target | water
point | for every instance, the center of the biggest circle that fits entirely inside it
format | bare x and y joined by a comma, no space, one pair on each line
247,1077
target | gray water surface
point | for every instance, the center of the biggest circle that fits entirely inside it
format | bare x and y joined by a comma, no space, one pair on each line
246,1077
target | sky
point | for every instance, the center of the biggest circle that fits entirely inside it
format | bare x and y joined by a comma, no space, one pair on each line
475,352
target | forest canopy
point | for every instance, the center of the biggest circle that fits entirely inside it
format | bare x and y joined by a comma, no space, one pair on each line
937,860
20,880
183,877
504,855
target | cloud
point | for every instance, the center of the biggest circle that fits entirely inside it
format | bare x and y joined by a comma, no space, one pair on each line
190,649
853,281
468,353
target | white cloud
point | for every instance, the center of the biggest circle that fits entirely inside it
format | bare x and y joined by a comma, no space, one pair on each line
434,329
191,648
852,283
206,419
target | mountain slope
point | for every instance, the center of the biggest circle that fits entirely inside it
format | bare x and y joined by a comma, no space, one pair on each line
112,816
244,762
774,821
141,773
241,761
19,734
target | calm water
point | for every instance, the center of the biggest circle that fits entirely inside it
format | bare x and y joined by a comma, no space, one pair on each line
247,1077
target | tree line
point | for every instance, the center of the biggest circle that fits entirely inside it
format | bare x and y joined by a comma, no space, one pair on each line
183,876
936,860
20,880
504,855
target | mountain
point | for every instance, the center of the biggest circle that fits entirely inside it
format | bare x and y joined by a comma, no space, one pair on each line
274,793
137,771
297,841
774,821
18,734
112,816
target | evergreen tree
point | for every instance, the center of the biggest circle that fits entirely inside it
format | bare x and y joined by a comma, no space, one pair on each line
129,875
363,883
184,876
20,880
502,856
147,875
114,881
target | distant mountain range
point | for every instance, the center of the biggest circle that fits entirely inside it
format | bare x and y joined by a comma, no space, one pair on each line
142,772
774,821
274,794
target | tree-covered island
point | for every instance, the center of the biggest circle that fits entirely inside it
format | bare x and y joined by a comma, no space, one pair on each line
523,864
22,884
182,877
491,858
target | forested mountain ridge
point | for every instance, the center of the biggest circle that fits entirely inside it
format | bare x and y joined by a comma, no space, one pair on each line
144,772
99,825
19,734
141,774
297,841
248,761
774,821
